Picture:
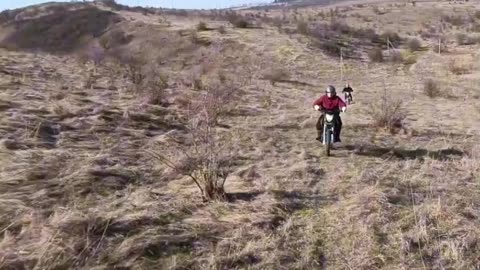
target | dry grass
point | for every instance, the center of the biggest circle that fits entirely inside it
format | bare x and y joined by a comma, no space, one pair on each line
80,187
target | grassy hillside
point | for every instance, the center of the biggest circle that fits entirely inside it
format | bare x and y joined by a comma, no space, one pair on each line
186,140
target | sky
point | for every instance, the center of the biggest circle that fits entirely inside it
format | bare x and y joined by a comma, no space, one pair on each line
192,4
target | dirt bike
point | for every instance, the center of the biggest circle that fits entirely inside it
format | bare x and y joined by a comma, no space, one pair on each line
348,99
328,128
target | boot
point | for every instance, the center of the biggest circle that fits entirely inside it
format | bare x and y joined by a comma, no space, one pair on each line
336,137
319,136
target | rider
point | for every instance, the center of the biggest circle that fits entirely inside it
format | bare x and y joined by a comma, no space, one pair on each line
348,90
330,102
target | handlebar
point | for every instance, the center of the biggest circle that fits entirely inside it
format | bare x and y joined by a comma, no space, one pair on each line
330,111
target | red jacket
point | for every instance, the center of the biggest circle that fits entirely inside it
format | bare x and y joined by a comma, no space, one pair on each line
330,103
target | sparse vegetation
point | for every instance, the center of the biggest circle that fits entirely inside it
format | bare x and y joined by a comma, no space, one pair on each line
174,148
392,37
302,28
388,112
464,39
431,88
277,75
237,20
376,55
396,56
222,30
459,67
414,45
202,26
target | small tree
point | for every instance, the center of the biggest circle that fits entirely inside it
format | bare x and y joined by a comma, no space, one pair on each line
277,75
202,26
205,155
387,112
430,88
302,28
414,45
376,55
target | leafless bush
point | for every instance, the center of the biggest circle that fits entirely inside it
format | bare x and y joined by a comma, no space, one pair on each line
237,20
114,39
277,75
477,14
376,55
431,89
154,85
414,45
199,40
396,56
392,37
204,155
459,68
135,70
387,112
222,30
456,20
464,39
202,26
302,28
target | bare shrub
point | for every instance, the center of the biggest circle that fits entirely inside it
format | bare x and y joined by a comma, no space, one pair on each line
222,30
154,85
456,20
396,56
414,45
277,75
134,69
477,14
114,39
387,112
330,47
199,40
202,26
376,55
302,28
204,154
392,37
237,21
431,89
459,68
464,39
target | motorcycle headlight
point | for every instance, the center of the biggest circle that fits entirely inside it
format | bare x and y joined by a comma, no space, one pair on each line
329,117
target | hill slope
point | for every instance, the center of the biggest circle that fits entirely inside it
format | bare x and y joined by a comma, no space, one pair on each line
82,186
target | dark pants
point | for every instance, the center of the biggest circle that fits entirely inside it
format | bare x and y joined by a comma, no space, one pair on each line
336,131
349,94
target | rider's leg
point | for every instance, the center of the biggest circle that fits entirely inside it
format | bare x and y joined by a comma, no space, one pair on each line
338,129
351,96
319,127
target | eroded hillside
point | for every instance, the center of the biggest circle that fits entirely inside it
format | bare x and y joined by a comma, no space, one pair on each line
86,131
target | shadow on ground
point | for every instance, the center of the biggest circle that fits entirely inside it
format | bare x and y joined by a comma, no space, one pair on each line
405,154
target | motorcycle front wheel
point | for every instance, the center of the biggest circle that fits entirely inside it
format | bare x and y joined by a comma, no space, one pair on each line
328,142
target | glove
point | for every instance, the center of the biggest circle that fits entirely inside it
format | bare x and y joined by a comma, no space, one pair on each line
344,109
316,107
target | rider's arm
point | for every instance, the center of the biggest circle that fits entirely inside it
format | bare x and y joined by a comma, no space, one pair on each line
319,103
